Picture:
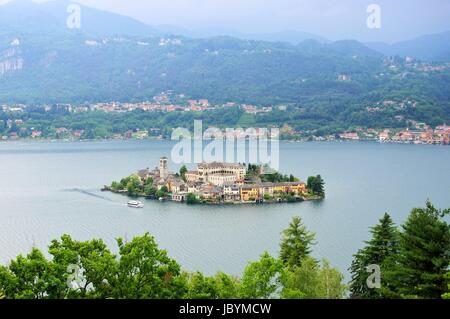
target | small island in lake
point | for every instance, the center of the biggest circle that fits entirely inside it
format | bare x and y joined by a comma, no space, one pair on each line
219,183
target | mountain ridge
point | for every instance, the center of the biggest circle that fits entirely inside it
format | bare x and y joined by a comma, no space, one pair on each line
343,78
431,47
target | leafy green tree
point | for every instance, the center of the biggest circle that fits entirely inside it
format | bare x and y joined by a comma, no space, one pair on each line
115,186
382,246
301,282
201,287
228,287
419,268
191,199
162,192
316,185
331,282
261,279
311,281
446,295
183,171
32,277
134,186
124,182
150,190
141,271
149,181
146,272
90,263
221,286
296,243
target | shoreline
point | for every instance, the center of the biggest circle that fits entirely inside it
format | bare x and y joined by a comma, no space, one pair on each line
43,140
263,202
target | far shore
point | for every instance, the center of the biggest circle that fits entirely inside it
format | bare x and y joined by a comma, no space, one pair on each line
46,140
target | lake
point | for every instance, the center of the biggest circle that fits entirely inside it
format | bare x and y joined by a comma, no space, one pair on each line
52,188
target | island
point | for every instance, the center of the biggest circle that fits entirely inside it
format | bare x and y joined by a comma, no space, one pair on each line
219,183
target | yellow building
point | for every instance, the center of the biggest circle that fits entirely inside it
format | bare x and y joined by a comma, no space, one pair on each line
249,193
298,188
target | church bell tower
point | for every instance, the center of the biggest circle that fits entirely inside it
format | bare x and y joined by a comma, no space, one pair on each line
163,168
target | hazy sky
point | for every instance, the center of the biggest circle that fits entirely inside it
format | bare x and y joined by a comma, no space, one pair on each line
334,19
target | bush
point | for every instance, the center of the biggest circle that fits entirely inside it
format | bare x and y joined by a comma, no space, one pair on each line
191,199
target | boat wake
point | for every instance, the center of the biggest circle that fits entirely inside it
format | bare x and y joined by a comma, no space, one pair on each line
88,193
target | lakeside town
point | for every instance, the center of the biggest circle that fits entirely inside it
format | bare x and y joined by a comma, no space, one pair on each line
218,183
13,126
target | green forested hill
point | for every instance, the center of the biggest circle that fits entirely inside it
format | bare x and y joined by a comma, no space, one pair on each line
50,64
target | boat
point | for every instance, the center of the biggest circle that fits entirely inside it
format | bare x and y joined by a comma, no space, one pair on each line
135,204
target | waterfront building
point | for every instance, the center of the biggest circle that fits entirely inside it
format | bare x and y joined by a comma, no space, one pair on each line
250,193
217,182
217,173
231,193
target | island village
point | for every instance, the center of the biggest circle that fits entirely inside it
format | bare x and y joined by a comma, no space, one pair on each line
218,183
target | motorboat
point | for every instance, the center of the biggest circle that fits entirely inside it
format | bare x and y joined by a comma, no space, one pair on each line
135,204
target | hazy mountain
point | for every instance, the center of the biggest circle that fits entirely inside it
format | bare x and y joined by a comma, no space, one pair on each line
25,16
41,61
434,47
292,37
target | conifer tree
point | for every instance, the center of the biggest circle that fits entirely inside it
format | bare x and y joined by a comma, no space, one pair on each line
420,267
384,244
296,243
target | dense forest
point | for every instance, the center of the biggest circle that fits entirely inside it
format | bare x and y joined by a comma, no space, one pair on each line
413,262
329,87
328,81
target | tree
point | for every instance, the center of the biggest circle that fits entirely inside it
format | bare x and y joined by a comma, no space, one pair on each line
296,243
145,271
149,181
383,245
134,185
191,199
150,190
444,296
89,267
90,270
301,282
311,281
227,286
419,268
162,192
261,279
201,287
115,186
31,277
316,185
331,286
183,171
221,286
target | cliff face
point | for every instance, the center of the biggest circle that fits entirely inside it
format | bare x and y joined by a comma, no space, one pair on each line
10,61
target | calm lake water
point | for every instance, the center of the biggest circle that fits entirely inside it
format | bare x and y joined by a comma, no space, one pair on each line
49,189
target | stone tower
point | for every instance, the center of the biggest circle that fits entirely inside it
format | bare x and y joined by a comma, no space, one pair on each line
163,168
